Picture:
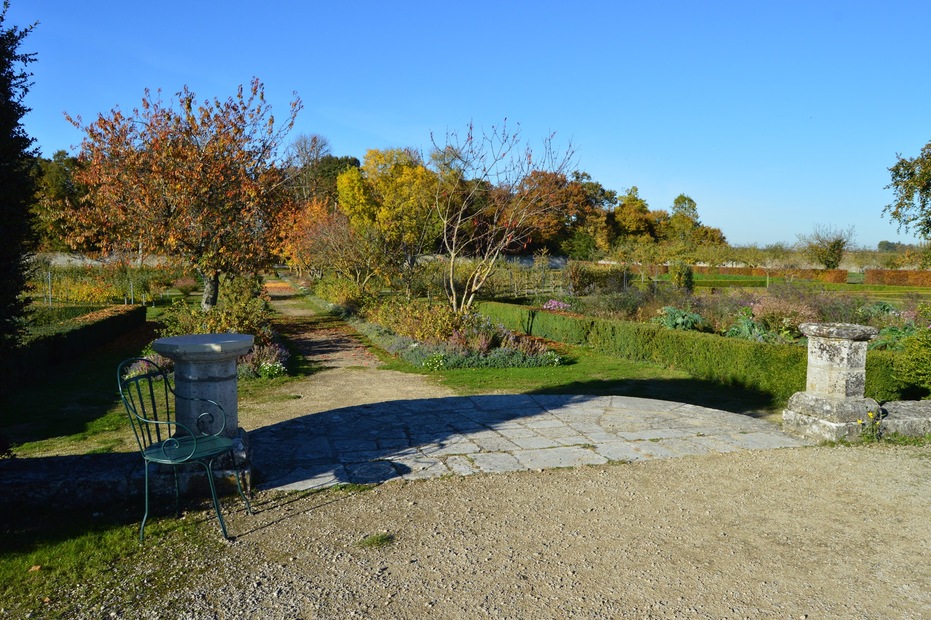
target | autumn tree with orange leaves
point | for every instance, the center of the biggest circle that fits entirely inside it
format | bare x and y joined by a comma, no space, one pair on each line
197,181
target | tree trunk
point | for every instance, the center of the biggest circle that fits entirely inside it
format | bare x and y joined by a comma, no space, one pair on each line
211,291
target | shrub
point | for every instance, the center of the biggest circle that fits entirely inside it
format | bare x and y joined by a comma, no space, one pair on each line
241,308
681,276
265,360
612,278
674,318
625,304
876,309
69,339
435,338
424,321
783,316
765,366
776,370
555,305
892,337
341,292
897,277
100,284
720,309
42,318
502,357
914,362
883,380
746,328
579,279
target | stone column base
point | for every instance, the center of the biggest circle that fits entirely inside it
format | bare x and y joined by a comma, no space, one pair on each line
811,427
827,419
911,418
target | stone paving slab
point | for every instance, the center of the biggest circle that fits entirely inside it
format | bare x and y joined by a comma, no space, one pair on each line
415,439
426,438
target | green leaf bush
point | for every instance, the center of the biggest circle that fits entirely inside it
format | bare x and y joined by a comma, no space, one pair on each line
671,317
776,369
242,308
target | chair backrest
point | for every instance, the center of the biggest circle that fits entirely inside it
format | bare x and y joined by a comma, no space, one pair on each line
149,399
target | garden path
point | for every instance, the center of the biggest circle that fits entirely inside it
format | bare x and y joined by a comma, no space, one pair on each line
353,422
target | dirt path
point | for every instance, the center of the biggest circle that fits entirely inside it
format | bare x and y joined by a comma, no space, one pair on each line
792,533
348,374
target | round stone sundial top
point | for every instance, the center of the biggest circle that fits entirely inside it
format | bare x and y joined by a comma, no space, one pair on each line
840,331
204,345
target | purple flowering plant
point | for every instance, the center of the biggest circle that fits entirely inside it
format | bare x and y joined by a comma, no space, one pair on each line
555,305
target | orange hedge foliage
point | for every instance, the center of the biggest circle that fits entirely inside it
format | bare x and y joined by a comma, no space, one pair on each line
836,276
898,277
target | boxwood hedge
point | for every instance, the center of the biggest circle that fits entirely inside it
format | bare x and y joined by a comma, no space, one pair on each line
778,370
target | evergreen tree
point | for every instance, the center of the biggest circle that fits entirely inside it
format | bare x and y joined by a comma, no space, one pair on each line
17,184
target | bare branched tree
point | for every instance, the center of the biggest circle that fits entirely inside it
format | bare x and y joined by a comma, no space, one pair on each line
485,203
331,243
304,154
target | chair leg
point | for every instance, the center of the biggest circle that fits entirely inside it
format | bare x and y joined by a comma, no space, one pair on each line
145,515
237,473
213,492
177,493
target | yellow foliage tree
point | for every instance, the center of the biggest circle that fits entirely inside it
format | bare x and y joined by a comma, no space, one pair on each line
391,196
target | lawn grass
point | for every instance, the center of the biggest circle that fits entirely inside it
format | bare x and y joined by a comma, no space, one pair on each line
56,563
595,374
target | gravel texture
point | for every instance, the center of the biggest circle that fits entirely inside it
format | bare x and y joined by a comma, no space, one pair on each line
792,533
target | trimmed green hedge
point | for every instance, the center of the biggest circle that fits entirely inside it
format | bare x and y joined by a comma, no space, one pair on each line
778,370
709,283
73,338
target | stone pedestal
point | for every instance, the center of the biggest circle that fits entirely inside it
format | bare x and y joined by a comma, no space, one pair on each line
205,367
833,406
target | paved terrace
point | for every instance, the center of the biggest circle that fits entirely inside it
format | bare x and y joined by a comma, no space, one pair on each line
415,439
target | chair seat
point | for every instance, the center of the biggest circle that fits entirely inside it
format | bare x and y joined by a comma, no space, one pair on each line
187,448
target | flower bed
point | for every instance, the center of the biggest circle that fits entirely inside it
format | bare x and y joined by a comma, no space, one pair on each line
434,337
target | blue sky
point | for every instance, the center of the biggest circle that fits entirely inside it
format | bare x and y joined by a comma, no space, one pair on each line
775,117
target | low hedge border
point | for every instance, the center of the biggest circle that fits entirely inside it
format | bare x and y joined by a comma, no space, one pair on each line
897,277
778,370
708,283
75,337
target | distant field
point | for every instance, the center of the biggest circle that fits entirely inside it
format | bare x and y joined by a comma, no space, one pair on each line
893,294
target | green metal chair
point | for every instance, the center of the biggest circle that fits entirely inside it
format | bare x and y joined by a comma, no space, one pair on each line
150,400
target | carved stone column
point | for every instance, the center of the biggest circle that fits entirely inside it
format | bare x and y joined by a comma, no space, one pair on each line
833,406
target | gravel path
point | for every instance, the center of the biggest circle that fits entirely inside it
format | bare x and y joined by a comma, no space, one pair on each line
815,532
797,533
